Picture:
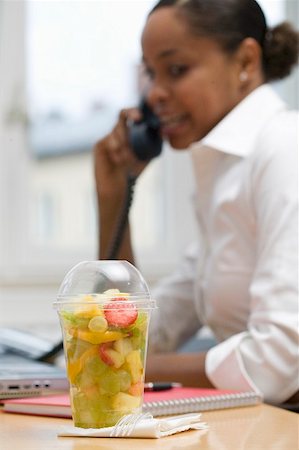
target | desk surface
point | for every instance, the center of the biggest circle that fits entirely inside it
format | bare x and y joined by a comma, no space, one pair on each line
260,427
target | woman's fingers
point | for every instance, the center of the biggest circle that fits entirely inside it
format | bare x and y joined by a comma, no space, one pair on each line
119,149
130,115
113,154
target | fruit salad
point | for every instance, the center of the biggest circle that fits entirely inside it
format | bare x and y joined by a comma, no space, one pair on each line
105,345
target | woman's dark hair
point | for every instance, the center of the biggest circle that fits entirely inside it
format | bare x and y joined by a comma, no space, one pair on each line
229,22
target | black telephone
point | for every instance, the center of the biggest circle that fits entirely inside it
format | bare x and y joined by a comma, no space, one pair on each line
144,135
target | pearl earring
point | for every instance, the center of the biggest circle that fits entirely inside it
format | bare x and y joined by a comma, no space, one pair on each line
243,76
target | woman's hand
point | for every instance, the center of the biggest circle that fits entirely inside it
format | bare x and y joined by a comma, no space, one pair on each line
114,159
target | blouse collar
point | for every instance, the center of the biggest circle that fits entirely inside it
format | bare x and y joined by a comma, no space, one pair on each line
237,132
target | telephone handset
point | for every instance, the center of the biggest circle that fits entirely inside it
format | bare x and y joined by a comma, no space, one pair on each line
144,135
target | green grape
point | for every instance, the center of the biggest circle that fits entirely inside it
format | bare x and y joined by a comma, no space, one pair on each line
124,380
82,415
110,382
76,347
101,401
105,419
83,419
101,411
70,320
98,324
95,366
79,401
142,321
85,381
138,341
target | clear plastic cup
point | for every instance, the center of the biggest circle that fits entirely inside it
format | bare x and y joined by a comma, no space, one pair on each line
104,309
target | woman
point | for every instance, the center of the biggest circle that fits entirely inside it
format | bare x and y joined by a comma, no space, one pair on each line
209,62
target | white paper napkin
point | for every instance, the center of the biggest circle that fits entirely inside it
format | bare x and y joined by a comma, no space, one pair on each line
145,428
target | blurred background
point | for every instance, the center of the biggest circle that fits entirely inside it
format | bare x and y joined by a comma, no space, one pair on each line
66,68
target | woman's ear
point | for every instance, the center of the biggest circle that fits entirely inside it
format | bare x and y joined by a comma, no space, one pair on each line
249,62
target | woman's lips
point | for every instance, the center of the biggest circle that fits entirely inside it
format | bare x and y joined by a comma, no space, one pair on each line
172,124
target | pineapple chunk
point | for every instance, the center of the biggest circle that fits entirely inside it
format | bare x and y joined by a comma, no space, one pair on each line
96,337
125,402
134,365
88,311
123,346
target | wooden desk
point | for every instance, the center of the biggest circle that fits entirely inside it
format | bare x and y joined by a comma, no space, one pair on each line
260,427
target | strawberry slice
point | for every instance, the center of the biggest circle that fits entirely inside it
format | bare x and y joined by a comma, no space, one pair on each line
120,313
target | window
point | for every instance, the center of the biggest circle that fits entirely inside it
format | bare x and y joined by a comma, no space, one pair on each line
73,72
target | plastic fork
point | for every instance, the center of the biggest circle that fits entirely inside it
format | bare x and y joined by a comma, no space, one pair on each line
126,425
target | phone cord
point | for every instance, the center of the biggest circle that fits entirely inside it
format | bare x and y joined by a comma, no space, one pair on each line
123,220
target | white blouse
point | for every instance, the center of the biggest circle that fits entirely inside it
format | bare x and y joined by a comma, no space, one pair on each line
241,278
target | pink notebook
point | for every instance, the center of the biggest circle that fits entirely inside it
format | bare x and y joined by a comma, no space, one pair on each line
172,401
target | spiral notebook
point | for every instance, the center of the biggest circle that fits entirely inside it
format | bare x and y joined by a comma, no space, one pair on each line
173,401
187,400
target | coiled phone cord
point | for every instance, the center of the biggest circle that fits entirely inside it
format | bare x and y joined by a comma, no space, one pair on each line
123,220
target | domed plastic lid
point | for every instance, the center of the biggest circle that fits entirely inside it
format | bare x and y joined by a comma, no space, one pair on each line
101,281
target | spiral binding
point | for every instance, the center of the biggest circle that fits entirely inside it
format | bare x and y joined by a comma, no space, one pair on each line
196,404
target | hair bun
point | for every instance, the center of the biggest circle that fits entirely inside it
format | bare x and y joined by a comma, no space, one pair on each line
281,48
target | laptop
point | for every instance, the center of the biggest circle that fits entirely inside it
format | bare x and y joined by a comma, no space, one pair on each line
23,370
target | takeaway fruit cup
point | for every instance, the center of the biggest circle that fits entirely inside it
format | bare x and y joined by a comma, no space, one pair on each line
104,309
